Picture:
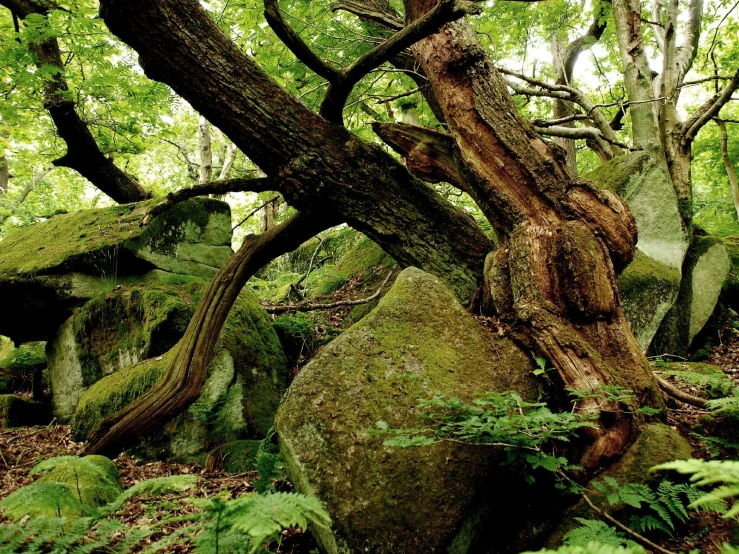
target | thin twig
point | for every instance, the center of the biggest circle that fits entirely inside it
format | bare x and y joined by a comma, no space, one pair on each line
255,210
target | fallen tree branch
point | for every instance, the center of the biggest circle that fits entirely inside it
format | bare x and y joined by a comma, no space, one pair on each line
680,395
309,306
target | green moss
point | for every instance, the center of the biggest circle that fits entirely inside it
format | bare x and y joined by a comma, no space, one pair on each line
26,358
358,312
129,324
730,293
615,174
66,240
21,412
246,380
418,342
362,258
648,290
71,488
238,456
710,380
115,392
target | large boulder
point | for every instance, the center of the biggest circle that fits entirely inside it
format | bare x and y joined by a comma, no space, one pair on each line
650,285
49,268
704,273
419,342
245,382
21,368
17,411
114,331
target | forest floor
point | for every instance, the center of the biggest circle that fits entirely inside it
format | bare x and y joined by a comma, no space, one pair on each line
22,448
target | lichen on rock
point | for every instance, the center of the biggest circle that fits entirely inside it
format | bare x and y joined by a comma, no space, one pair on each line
417,343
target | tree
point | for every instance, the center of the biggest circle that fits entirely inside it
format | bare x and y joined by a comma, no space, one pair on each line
561,242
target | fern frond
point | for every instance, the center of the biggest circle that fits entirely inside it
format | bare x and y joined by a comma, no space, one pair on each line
155,486
593,530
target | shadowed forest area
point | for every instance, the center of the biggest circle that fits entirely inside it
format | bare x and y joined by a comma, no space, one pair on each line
369,276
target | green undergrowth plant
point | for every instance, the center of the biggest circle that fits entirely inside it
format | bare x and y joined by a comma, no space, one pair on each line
525,431
223,525
595,531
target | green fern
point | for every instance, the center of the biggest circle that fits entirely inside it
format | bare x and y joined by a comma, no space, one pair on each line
712,472
155,487
595,530
594,548
268,463
257,518
661,509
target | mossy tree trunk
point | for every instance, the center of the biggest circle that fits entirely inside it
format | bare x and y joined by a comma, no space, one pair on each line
564,242
554,278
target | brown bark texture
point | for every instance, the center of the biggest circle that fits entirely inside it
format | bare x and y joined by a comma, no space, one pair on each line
564,242
555,276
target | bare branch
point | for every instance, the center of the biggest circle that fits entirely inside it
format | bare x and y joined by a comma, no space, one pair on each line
259,184
709,110
687,51
380,17
579,133
339,90
296,44
657,27
559,121
680,395
255,210
309,306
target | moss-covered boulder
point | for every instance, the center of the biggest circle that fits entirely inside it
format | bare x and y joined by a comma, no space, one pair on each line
245,383
644,183
20,368
648,291
16,411
418,342
114,331
362,257
704,273
49,268
68,487
657,444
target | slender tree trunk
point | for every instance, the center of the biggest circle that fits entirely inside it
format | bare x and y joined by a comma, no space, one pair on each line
183,382
4,175
728,164
555,277
228,161
206,151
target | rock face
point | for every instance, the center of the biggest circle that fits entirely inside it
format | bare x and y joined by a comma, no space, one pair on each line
21,412
419,342
650,285
49,268
704,273
731,286
113,331
99,373
648,291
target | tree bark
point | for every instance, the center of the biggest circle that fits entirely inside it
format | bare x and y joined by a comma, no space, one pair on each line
555,276
183,382
206,151
325,165
728,164
4,175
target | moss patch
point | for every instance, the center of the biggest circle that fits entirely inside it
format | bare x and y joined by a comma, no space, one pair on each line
418,342
648,291
246,380
708,381
73,487
21,412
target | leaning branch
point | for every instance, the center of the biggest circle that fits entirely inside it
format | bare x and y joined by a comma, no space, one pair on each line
680,395
728,165
365,12
260,184
709,110
578,133
308,306
185,376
